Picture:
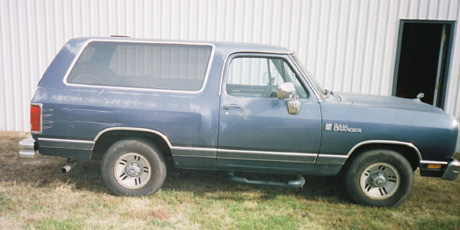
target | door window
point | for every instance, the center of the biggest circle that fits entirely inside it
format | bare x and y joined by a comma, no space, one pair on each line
260,77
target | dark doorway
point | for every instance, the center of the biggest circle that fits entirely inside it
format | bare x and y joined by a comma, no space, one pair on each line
422,62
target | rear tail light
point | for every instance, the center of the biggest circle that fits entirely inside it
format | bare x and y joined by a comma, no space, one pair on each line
35,118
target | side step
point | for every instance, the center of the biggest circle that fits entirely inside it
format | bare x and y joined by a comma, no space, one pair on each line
299,183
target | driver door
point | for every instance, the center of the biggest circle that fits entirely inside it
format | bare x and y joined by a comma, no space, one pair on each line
256,131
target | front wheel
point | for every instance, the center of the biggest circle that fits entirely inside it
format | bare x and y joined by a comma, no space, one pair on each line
379,178
133,167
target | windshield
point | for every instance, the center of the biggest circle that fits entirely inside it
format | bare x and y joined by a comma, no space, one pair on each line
310,77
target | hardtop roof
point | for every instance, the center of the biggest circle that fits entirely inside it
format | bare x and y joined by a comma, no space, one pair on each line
222,47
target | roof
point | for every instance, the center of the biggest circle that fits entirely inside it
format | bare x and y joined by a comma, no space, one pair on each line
222,47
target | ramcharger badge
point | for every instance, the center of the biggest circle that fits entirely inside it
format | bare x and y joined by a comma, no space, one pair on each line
341,128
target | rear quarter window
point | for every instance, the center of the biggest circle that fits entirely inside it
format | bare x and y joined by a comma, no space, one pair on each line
142,65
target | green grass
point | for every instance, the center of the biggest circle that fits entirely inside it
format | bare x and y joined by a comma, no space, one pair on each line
35,195
52,223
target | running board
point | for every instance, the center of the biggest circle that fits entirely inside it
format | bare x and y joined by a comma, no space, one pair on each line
299,183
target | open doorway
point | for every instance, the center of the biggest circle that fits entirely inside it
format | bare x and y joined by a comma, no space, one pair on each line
422,61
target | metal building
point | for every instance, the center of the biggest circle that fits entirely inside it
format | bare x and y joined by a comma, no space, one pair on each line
382,47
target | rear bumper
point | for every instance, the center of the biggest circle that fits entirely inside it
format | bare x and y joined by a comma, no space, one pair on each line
452,170
27,148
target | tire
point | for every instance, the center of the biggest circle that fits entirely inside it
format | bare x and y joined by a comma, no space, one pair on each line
133,167
379,178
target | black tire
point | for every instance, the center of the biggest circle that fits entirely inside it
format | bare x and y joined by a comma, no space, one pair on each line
379,178
133,167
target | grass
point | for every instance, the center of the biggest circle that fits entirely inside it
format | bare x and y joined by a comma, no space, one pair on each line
35,195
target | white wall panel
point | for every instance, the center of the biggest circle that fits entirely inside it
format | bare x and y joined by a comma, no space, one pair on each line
453,89
349,45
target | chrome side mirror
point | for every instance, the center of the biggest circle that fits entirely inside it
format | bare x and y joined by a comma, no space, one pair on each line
286,91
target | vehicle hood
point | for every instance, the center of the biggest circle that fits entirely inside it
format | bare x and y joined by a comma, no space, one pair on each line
386,102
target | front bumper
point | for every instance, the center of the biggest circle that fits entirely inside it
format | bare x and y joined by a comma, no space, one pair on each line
27,148
452,170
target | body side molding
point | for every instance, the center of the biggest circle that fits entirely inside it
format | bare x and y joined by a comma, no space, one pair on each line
386,142
164,137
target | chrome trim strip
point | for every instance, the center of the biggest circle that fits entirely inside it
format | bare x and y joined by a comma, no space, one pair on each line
193,149
65,144
165,138
77,56
434,162
65,141
266,156
268,153
194,156
245,151
386,142
253,159
60,147
332,156
331,159
194,152
311,157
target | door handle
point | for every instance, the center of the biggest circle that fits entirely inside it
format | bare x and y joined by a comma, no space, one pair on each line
232,106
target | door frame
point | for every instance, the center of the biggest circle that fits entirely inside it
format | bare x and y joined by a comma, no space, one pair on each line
449,43
273,160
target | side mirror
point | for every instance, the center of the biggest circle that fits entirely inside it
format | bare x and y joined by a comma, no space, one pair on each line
286,91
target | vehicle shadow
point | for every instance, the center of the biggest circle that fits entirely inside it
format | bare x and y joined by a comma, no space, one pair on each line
214,182
85,175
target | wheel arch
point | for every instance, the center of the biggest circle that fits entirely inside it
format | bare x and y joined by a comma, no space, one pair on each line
407,150
107,137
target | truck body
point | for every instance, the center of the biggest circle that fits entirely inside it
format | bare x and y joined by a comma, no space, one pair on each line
233,107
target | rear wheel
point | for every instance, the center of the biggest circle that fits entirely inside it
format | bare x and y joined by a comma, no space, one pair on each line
379,178
133,167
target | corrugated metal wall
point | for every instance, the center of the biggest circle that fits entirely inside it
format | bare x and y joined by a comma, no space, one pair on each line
350,45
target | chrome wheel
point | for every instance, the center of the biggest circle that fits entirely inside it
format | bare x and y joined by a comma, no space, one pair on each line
379,181
379,177
133,167
132,170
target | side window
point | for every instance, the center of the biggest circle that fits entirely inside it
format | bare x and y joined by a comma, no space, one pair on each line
260,77
142,65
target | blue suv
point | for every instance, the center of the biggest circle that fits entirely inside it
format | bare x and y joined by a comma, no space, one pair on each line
231,107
